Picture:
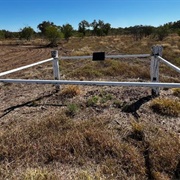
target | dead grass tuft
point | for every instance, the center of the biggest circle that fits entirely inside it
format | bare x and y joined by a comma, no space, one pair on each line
176,92
166,106
38,174
70,91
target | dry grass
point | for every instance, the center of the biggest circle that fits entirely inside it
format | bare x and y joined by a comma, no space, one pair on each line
38,174
59,139
109,68
96,147
166,106
165,154
70,91
176,92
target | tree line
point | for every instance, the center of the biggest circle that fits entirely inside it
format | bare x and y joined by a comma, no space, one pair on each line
53,32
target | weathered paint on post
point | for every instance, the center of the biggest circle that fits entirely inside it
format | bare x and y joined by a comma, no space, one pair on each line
56,72
156,51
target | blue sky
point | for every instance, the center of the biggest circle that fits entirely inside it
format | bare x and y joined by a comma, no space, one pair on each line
16,14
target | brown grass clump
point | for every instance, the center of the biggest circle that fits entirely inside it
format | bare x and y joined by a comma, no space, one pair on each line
70,91
166,106
176,92
38,174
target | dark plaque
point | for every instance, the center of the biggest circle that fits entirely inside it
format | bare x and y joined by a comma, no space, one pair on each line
98,56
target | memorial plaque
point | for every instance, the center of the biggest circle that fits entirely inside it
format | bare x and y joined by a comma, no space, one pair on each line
98,56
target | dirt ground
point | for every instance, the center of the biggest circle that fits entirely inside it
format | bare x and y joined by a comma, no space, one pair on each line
25,102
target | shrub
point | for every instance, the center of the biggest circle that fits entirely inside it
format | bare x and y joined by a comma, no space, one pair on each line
53,34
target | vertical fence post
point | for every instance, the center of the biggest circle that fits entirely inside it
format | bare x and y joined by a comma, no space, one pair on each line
156,51
56,72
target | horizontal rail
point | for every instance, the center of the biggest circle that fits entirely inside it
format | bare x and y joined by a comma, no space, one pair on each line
169,64
98,83
71,57
106,56
25,67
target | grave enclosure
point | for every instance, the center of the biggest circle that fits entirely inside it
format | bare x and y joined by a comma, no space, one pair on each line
154,84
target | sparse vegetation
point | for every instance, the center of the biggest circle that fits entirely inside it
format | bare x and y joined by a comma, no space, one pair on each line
110,68
90,132
59,139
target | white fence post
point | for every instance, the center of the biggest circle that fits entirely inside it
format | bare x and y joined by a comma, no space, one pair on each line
56,72
156,51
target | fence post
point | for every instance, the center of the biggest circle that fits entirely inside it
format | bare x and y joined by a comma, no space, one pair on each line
56,72
156,51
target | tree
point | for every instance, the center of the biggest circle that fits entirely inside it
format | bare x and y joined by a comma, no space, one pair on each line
162,32
42,26
176,25
67,30
100,28
106,28
83,25
53,34
2,35
26,33
148,30
94,25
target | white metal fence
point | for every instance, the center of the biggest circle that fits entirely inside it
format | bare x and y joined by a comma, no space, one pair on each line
154,84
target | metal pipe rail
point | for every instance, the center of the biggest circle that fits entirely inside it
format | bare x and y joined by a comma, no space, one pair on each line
169,64
106,56
72,58
25,67
89,83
